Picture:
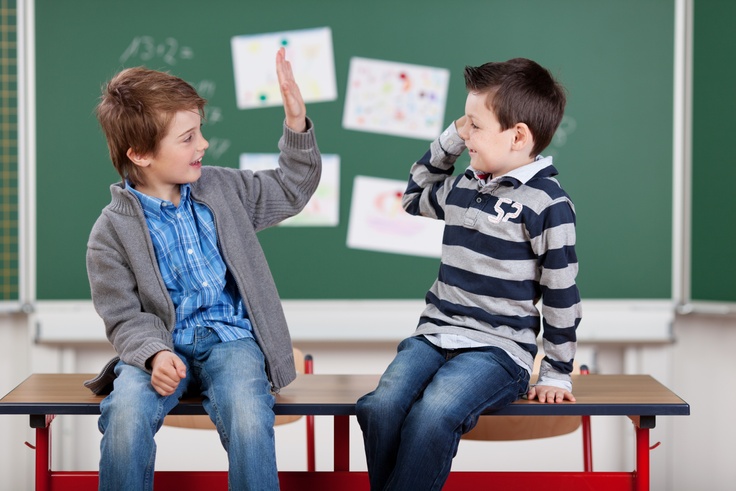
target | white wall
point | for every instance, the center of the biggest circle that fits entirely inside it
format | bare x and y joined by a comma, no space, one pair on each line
702,366
694,453
16,459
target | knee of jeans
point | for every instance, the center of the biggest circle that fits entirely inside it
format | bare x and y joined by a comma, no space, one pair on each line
252,427
378,405
129,415
438,411
126,426
246,413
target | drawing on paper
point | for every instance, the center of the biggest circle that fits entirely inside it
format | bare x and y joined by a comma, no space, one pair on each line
395,98
378,222
308,50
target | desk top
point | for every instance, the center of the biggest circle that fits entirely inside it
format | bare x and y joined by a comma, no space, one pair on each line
323,394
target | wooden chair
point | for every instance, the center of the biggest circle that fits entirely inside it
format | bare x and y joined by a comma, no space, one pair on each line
304,364
506,428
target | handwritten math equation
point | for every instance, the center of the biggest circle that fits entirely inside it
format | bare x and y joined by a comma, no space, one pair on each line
146,48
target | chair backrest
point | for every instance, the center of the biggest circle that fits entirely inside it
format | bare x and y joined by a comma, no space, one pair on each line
203,422
505,428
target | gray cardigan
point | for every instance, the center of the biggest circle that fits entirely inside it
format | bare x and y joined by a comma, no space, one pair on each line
129,293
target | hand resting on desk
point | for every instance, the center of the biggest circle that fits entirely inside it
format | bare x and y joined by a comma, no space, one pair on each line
549,394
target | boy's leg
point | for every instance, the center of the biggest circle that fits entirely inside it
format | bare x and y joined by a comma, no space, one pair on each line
470,382
238,398
381,413
130,417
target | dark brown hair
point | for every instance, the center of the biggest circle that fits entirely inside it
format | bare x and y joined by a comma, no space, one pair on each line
135,109
520,91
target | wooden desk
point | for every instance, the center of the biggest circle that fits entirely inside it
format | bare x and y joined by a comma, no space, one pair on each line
639,397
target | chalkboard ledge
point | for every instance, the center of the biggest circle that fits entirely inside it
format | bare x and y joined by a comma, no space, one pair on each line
604,321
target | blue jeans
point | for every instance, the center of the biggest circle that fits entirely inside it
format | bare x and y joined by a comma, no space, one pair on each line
427,398
231,376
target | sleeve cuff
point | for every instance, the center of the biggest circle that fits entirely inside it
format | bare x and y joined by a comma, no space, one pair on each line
561,384
451,142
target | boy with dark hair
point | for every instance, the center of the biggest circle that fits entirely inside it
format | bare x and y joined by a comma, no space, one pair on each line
509,241
179,278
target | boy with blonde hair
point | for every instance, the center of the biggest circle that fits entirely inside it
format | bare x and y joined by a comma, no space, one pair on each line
179,278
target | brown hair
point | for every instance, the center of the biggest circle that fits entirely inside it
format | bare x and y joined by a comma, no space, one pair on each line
135,109
521,91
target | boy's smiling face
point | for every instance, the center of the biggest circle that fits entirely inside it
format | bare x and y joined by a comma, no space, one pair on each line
178,160
491,149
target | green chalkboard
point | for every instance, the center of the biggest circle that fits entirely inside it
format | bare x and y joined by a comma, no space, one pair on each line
714,167
614,151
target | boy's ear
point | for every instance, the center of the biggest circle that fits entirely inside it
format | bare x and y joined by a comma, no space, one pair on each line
523,137
137,159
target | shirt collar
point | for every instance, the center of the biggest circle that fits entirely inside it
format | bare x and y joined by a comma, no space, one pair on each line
152,206
520,175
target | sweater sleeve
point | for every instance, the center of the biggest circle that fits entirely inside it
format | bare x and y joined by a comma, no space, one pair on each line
277,194
431,176
561,307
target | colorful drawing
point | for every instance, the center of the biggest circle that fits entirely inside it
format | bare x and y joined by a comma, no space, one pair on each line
323,209
395,98
378,222
308,50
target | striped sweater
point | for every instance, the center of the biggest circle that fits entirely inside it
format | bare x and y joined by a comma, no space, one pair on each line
506,245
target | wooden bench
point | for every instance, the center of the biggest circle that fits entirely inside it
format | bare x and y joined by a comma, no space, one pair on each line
638,397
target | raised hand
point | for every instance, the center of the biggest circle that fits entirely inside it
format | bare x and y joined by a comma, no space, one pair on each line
294,108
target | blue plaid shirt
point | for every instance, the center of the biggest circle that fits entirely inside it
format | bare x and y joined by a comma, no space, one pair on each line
203,292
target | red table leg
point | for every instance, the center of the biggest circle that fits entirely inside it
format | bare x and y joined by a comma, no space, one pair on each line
642,459
342,443
43,458
587,445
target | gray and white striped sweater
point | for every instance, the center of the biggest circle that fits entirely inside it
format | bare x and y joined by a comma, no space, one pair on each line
506,245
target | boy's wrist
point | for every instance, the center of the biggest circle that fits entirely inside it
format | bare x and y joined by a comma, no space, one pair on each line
298,125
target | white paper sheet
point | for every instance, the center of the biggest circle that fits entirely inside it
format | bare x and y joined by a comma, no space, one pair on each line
308,50
379,223
395,98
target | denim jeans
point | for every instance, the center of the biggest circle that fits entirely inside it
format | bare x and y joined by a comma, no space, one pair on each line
237,395
427,398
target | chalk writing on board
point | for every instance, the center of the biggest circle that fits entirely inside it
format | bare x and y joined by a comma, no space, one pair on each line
212,115
146,48
566,128
218,146
206,89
